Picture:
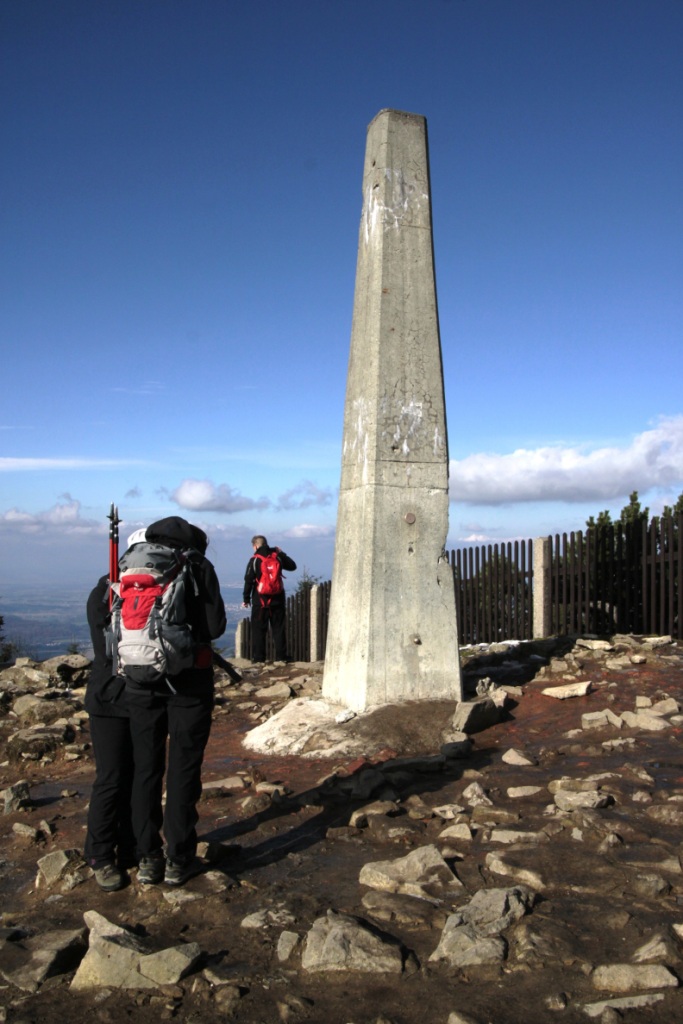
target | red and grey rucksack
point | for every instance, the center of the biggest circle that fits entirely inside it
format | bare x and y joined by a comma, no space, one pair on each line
151,637
269,582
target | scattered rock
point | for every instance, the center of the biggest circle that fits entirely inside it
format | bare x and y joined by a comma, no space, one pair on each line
524,875
169,966
360,817
26,831
460,831
448,811
477,715
423,872
345,716
651,885
220,787
633,977
276,691
568,801
556,1001
522,792
286,944
666,814
39,741
338,942
117,959
647,721
16,796
56,866
279,916
617,1005
508,836
600,719
404,910
517,757
570,690
475,796
659,947
471,936
42,957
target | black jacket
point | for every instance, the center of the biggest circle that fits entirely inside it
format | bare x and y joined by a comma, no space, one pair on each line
104,693
253,573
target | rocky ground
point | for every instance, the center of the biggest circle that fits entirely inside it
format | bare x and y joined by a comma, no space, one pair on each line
513,860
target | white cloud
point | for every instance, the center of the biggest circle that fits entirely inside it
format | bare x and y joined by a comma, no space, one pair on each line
304,495
305,531
654,459
62,519
205,496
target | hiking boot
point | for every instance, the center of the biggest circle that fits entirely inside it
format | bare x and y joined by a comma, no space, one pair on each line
178,872
110,878
151,870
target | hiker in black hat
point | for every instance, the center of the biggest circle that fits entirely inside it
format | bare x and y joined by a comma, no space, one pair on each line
175,711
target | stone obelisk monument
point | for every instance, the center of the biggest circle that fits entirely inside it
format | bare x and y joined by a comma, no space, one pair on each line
392,632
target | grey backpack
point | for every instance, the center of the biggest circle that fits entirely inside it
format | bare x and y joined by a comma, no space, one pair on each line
151,637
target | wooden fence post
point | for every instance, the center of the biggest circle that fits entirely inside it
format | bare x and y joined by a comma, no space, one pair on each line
315,596
241,645
542,588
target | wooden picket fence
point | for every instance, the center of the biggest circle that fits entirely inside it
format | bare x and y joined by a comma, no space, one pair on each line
619,579
299,626
493,591
616,579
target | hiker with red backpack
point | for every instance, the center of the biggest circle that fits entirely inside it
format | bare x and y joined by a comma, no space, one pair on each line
167,610
264,591
109,840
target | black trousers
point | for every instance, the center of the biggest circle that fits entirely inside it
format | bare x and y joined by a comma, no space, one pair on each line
174,728
109,837
272,614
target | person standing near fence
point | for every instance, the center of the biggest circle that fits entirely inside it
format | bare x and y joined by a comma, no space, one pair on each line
264,592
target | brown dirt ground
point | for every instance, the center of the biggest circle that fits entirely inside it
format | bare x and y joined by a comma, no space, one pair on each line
287,855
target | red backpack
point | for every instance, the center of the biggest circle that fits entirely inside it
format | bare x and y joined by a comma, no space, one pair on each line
270,580
151,637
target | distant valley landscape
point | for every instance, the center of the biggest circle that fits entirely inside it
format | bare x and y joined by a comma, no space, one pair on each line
46,620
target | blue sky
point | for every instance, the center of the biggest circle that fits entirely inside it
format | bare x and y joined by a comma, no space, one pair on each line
181,191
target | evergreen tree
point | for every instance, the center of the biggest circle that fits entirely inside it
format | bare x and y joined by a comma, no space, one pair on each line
632,514
306,581
604,519
670,512
617,549
8,649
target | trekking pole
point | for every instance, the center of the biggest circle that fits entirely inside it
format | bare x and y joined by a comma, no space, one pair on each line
114,521
226,666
